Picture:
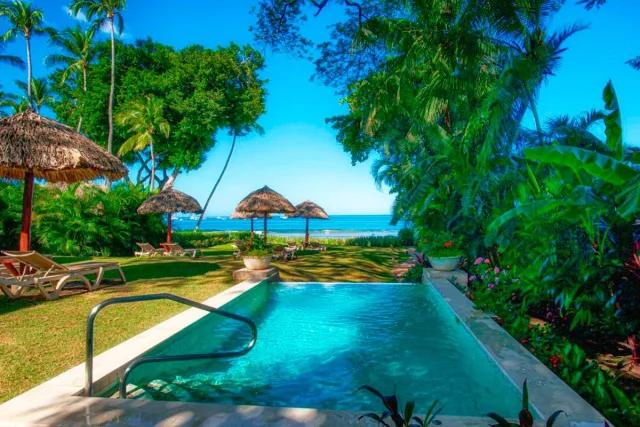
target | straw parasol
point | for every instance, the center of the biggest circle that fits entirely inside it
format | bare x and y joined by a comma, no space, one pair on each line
169,201
32,146
308,210
263,202
247,215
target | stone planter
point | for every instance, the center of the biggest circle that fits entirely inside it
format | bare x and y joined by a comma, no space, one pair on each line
257,262
445,263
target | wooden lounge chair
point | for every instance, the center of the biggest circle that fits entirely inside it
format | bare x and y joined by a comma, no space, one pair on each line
45,270
14,284
146,249
174,249
316,246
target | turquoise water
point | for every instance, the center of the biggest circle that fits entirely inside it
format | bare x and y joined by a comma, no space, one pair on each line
337,226
318,343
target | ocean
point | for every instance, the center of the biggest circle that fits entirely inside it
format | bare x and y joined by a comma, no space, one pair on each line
337,226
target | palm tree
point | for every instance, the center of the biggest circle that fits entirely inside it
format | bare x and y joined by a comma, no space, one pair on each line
244,104
105,12
10,59
7,100
144,119
78,52
39,93
523,29
25,19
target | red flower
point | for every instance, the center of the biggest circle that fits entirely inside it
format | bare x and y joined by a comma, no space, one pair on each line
555,361
448,244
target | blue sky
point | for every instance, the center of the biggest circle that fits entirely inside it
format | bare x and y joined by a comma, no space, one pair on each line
298,154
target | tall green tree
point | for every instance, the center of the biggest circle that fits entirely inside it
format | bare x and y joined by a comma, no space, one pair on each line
105,12
534,50
76,45
7,100
143,120
39,93
26,20
244,102
12,60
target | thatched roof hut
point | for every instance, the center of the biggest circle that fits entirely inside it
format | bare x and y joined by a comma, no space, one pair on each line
169,201
263,202
307,210
50,150
32,146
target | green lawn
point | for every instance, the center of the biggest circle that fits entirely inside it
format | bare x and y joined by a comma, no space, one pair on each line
40,339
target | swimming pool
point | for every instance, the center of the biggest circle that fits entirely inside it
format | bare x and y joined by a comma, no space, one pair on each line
318,343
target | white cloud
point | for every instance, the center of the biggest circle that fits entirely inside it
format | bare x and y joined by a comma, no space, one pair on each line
80,16
104,28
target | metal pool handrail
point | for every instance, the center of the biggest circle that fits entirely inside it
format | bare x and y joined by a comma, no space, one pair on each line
88,387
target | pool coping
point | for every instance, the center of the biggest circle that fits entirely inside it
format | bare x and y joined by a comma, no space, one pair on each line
59,401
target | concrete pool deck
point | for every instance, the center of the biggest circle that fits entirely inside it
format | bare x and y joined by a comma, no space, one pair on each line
59,401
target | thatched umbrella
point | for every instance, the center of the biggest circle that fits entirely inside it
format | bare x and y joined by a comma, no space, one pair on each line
246,215
308,210
263,202
32,146
169,201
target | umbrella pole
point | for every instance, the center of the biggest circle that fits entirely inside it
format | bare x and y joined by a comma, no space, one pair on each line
27,203
265,228
169,227
251,228
306,233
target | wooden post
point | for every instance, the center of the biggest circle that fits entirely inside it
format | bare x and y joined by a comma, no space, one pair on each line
27,203
265,228
169,227
306,233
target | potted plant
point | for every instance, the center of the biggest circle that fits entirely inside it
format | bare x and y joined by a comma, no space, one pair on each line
257,259
443,251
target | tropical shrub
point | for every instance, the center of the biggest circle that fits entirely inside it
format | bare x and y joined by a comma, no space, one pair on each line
82,219
414,274
401,417
440,244
405,236
206,239
375,241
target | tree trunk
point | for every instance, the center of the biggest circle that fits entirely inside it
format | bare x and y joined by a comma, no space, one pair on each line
113,85
215,186
536,117
27,38
172,178
27,203
152,177
84,92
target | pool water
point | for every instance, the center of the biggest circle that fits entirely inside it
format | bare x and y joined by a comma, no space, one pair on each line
318,343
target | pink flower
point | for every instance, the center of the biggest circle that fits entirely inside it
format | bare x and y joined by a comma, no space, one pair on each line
472,278
491,286
487,261
496,269
478,261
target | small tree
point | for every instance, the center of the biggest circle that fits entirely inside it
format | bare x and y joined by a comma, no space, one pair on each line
143,120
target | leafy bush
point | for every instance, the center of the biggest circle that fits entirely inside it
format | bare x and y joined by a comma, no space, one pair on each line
405,236
206,239
82,219
414,274
375,241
